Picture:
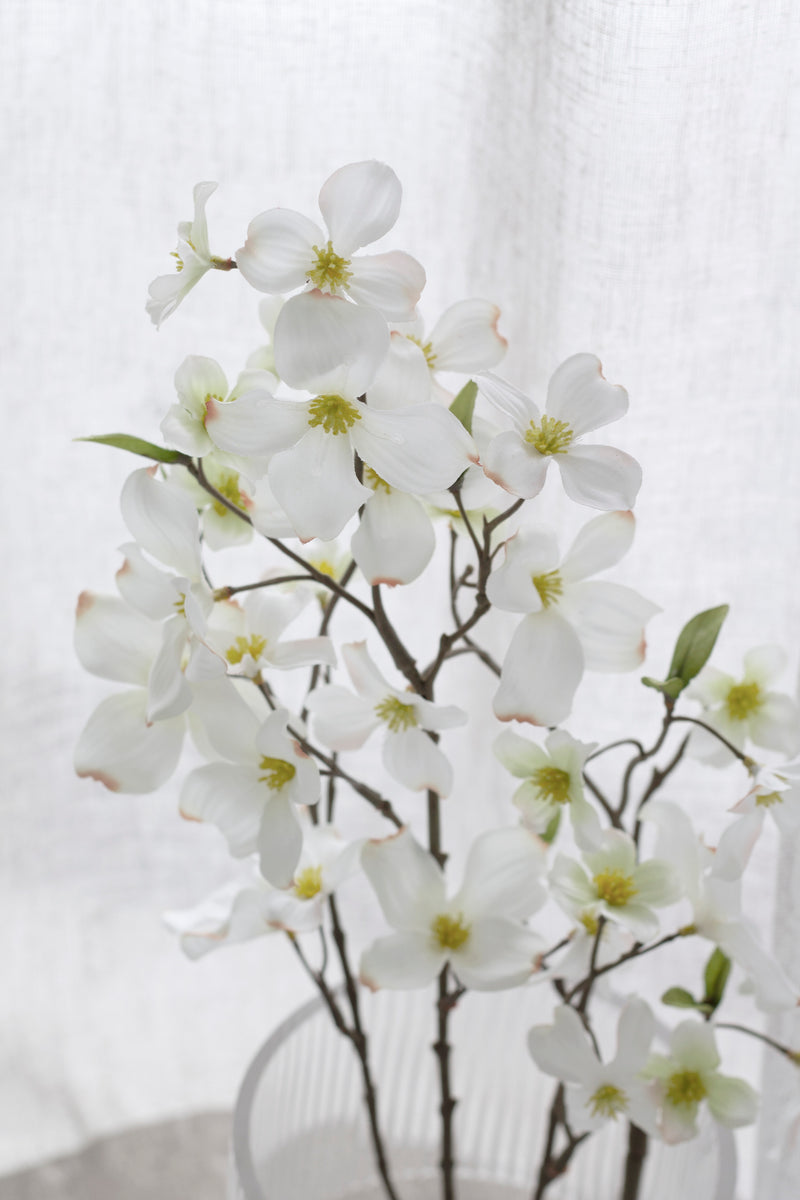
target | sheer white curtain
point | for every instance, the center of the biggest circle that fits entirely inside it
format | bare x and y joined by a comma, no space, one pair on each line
619,176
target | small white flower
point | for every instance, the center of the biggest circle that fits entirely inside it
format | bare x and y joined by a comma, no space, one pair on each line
325,862
746,708
479,931
579,400
198,382
599,1092
553,781
250,639
776,792
193,259
688,1076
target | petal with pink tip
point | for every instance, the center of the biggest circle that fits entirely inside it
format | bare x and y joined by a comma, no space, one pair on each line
279,250
145,586
256,425
163,521
414,760
360,203
168,693
330,494
198,379
229,915
401,961
541,671
391,283
230,797
609,620
600,476
600,544
579,395
394,541
407,881
122,751
113,640
515,465
502,876
465,337
324,340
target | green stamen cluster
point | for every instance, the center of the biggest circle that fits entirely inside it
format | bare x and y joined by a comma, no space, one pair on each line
329,272
333,413
450,933
742,700
685,1088
277,772
227,484
178,260
373,480
255,647
589,922
769,798
549,436
308,883
608,1101
549,586
427,350
552,784
615,888
398,716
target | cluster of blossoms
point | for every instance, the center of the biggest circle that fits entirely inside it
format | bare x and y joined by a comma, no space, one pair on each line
344,426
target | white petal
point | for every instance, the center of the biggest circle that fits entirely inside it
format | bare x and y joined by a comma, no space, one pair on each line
198,379
403,378
278,253
638,918
635,1031
731,1101
229,721
600,476
256,425
510,400
692,1045
497,954
678,1124
764,664
266,514
122,751
166,292
570,885
280,841
113,640
541,671
502,875
269,612
231,914
657,883
341,720
168,693
231,798
390,283
435,716
185,432
402,960
515,465
419,450
519,755
528,554
303,652
617,853
609,620
394,541
578,394
330,494
600,544
562,1049
163,521
414,760
465,337
367,679
323,339
736,845
773,991
407,881
776,724
360,203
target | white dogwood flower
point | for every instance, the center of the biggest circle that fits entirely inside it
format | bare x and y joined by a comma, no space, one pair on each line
616,886
250,637
598,1092
359,203
199,380
746,708
344,721
479,930
579,400
776,792
572,623
326,861
688,1076
192,256
553,781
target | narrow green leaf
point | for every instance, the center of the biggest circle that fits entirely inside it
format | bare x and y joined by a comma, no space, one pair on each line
671,687
678,997
552,828
718,968
695,643
464,404
126,441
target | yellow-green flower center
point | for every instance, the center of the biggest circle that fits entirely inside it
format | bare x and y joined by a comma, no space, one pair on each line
254,646
549,586
227,484
685,1088
450,933
397,715
552,783
589,922
615,887
549,436
277,772
742,700
427,350
178,260
373,480
767,799
333,413
308,883
608,1101
329,273
180,604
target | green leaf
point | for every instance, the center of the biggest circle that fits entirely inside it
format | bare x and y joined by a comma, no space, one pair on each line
552,828
671,687
695,643
464,404
678,997
126,441
718,968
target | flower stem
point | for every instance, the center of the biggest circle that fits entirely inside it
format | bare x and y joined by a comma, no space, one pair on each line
637,1150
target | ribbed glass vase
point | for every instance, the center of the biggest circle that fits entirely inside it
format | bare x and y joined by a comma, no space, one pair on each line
300,1130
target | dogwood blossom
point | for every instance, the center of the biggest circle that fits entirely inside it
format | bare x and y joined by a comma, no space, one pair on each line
746,708
233,913
199,380
579,400
249,636
597,1092
359,203
617,886
777,793
344,722
688,1076
553,780
326,861
572,624
192,256
479,930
